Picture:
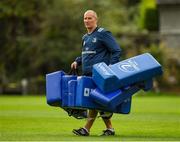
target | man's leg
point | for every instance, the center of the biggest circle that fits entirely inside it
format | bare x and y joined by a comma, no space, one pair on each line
107,120
90,120
107,123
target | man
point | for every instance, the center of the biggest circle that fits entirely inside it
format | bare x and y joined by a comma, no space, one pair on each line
98,46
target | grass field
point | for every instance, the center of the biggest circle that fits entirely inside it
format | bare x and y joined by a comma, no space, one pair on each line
152,118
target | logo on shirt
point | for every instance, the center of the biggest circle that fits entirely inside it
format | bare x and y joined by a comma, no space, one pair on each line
129,66
94,40
84,43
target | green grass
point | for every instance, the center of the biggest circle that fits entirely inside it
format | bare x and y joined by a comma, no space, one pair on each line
152,118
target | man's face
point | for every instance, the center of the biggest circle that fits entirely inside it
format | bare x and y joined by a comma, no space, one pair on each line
90,21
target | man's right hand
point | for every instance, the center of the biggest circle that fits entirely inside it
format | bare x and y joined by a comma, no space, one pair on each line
74,65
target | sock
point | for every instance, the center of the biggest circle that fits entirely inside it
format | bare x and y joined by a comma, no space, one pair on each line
111,129
86,129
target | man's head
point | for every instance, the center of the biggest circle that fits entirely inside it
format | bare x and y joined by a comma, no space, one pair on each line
90,20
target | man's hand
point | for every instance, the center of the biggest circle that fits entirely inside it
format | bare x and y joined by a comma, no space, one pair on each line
74,65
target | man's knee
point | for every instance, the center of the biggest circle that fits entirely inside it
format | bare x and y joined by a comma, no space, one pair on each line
106,115
92,115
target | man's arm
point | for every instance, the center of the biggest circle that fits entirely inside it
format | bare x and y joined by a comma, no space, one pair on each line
76,63
110,42
79,60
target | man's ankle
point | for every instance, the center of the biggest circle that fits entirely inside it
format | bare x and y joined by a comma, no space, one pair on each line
86,129
111,129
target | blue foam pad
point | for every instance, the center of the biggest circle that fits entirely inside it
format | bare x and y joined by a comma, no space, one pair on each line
113,99
134,70
53,88
146,85
104,77
72,85
81,89
79,94
124,107
105,99
84,87
65,91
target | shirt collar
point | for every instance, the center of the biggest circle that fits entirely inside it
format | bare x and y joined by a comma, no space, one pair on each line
94,30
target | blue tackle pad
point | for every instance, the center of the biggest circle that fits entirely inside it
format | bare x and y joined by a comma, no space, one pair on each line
80,97
133,70
65,88
117,101
113,99
54,88
110,88
57,88
79,93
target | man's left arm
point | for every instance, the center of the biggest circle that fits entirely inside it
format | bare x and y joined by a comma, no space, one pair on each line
112,46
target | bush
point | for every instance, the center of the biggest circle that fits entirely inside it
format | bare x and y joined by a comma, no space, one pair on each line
148,15
135,44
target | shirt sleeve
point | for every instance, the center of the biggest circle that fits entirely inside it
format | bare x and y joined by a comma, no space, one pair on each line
112,46
79,60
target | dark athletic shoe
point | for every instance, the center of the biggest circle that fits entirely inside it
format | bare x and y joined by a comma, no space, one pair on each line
81,132
108,132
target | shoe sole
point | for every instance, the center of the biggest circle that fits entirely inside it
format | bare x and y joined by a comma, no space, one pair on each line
78,134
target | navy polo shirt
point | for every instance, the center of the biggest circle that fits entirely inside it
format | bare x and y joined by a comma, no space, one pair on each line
98,46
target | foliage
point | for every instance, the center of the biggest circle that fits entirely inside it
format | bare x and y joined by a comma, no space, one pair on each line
20,23
39,37
148,15
135,44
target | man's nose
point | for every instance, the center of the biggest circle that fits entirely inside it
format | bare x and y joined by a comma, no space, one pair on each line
85,22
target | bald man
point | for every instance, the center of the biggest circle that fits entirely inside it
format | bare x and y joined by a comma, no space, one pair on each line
98,45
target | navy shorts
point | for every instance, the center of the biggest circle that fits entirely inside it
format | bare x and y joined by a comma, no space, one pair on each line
106,115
